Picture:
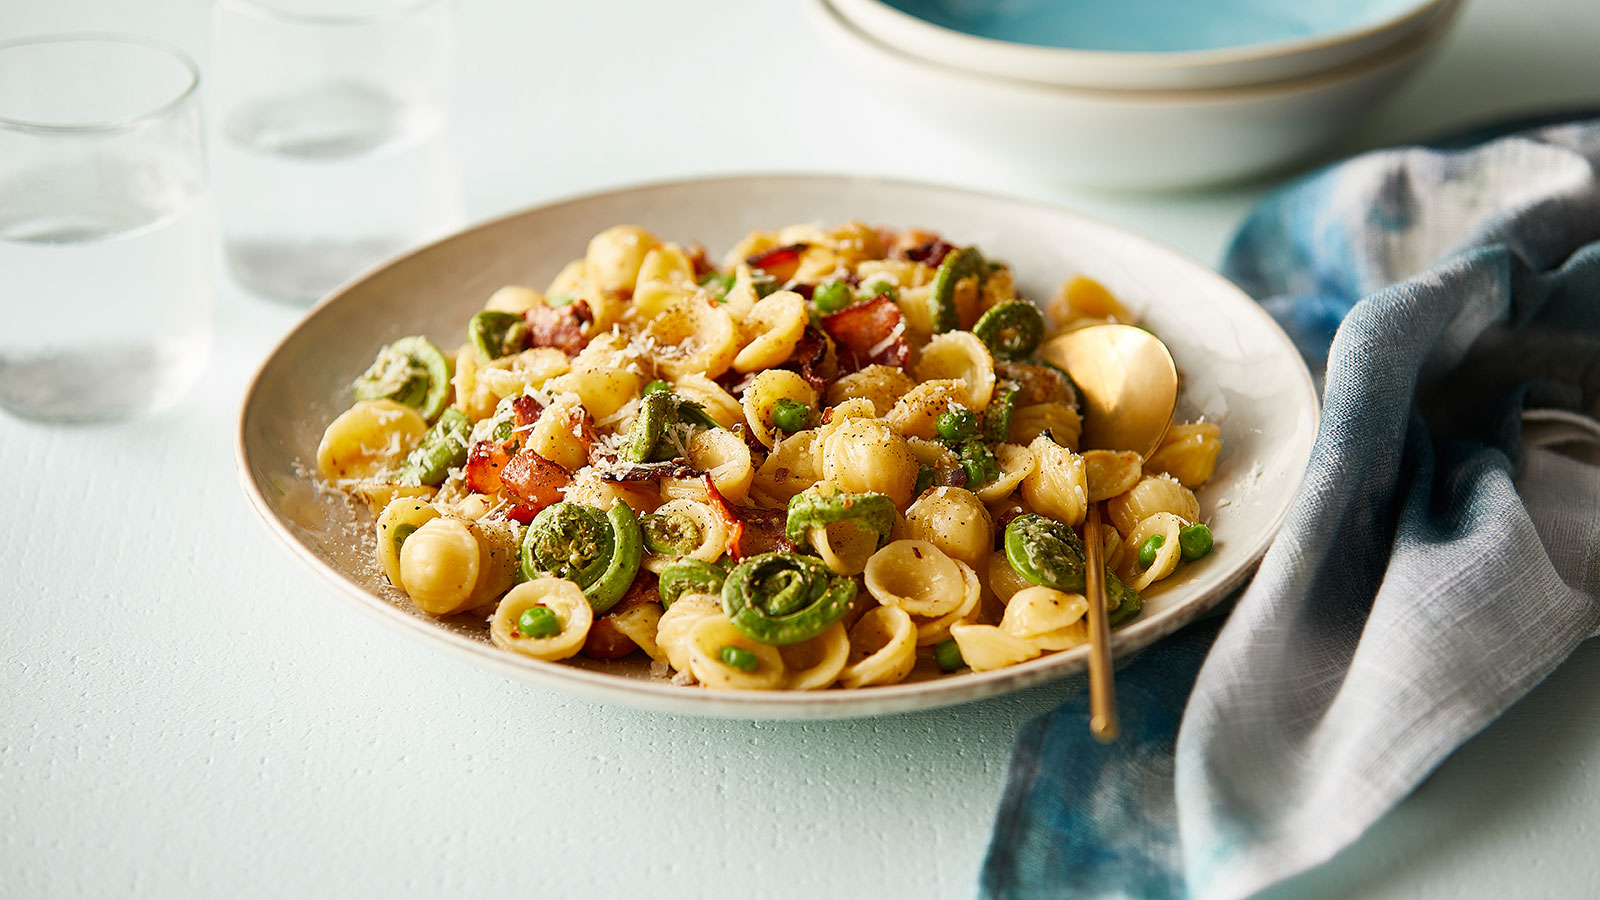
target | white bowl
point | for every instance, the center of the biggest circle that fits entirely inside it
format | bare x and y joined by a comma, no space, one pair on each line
1227,67
1132,139
1239,369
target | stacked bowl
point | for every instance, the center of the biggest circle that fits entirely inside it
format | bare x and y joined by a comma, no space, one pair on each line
1144,94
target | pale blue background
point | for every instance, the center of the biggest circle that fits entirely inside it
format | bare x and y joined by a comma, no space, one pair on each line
183,712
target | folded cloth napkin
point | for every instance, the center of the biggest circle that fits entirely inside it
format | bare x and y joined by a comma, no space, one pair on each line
1442,556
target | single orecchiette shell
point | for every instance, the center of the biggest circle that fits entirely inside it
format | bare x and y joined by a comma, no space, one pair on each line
561,597
399,519
705,643
867,455
882,385
691,335
771,329
917,577
1051,619
1058,419
368,439
764,392
615,255
1152,494
985,647
1188,453
1110,472
816,663
1167,555
1016,464
954,520
883,648
961,356
1057,488
917,413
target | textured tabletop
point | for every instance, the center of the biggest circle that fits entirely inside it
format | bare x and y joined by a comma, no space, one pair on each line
185,712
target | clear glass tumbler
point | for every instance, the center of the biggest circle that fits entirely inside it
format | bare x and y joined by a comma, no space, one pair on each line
105,260
335,147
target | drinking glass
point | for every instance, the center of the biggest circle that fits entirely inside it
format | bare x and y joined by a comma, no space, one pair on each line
105,272
335,147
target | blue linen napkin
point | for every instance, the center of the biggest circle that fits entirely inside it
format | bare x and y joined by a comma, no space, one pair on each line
1441,558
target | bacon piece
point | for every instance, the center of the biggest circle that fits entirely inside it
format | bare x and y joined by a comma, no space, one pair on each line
520,512
560,327
532,480
930,252
764,529
810,359
701,262
730,519
604,641
527,410
870,333
484,462
779,262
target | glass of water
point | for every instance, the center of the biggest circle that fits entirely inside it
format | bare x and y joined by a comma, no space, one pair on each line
335,147
105,274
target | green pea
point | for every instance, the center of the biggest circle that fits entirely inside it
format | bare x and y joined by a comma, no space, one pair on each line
401,532
1147,550
947,654
655,387
539,622
738,658
1194,541
881,287
790,415
957,424
832,296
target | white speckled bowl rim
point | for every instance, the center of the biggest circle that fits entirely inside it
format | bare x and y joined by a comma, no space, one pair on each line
1239,369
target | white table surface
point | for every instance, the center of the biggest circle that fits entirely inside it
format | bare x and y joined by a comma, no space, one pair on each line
184,712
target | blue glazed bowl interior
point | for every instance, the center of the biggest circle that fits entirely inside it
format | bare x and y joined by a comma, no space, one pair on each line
1153,26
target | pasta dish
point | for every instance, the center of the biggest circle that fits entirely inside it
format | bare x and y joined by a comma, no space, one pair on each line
833,459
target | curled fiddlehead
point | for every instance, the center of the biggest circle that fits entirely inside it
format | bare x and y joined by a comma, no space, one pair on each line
785,598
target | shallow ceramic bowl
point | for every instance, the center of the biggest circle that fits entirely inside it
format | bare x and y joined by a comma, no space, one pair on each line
1333,35
1239,371
1140,140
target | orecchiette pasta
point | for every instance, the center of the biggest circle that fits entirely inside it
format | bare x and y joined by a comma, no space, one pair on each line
765,392
571,610
1188,453
1057,487
1150,495
771,329
955,521
883,648
882,385
959,356
787,472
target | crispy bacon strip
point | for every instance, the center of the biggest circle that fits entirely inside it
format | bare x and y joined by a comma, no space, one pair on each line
870,333
810,359
767,524
930,252
779,262
532,480
484,461
560,327
526,410
730,519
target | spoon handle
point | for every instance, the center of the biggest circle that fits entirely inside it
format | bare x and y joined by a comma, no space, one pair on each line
1103,722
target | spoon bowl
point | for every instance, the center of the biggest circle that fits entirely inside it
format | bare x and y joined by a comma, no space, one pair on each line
1127,382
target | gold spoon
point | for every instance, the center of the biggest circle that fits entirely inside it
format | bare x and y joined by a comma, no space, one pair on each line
1128,385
